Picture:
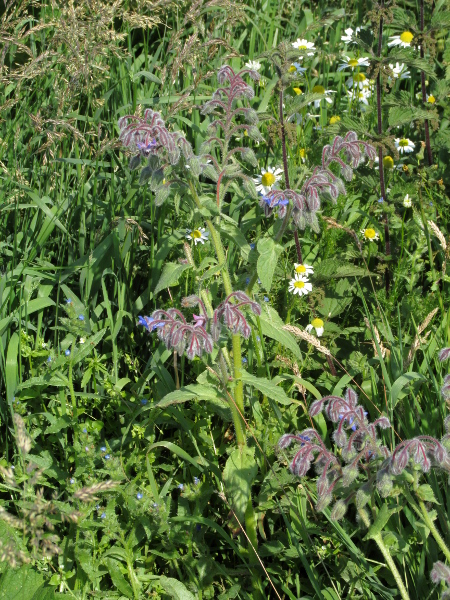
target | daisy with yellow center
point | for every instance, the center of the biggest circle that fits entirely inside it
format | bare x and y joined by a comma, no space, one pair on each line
404,39
319,89
266,181
302,154
360,95
404,145
304,46
431,99
369,235
303,270
399,71
335,119
297,69
298,91
198,235
353,63
81,340
358,80
407,202
316,324
254,65
300,285
388,162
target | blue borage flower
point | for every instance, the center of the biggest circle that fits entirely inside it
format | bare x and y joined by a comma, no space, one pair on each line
149,323
139,495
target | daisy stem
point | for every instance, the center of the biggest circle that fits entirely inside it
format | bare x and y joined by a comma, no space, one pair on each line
424,90
387,242
286,170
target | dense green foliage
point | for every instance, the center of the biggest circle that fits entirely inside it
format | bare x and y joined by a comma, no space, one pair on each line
127,471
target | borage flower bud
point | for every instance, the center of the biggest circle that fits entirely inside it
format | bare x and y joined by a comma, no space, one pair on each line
338,511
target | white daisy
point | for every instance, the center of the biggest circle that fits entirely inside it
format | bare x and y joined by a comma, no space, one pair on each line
370,235
305,46
198,235
407,202
268,178
303,270
353,63
316,324
319,89
404,145
81,340
349,37
358,80
404,39
254,65
360,95
399,71
300,285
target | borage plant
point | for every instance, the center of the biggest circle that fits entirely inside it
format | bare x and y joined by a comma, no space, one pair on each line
364,471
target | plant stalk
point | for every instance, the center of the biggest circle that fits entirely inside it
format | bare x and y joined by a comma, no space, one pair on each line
424,89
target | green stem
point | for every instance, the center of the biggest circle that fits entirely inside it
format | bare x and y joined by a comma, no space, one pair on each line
378,539
435,533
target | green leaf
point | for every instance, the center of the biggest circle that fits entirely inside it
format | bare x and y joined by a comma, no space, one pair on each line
119,581
398,391
21,584
11,367
269,252
272,327
384,514
176,589
170,275
61,423
238,475
426,494
267,387
147,75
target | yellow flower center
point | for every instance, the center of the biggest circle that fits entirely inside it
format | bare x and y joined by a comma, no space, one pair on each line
292,69
302,153
403,142
298,91
406,37
352,63
302,48
245,132
318,89
369,233
268,179
358,77
388,162
196,234
431,99
317,323
335,119
300,269
299,284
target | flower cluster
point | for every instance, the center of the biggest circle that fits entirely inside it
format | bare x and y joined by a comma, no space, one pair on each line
198,337
361,451
347,153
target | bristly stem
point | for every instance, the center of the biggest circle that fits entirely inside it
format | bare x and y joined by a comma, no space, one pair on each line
378,539
424,90
286,171
387,241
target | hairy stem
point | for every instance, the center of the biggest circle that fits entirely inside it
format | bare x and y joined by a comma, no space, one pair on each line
378,539
424,89
387,241
434,532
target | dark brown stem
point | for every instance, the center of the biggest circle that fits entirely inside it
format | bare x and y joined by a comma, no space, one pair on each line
424,90
286,171
387,240
331,365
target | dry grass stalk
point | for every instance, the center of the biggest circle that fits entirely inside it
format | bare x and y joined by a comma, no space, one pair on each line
87,494
377,335
293,366
438,233
23,440
418,340
308,338
334,224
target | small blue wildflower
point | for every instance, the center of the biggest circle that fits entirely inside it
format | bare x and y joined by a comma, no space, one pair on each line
380,200
247,280
244,360
86,448
67,352
431,204
259,281
98,507
252,246
180,486
68,301
144,401
196,480
258,339
81,317
72,480
154,505
107,456
198,527
139,496
266,298
84,430
49,359
103,515
103,449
